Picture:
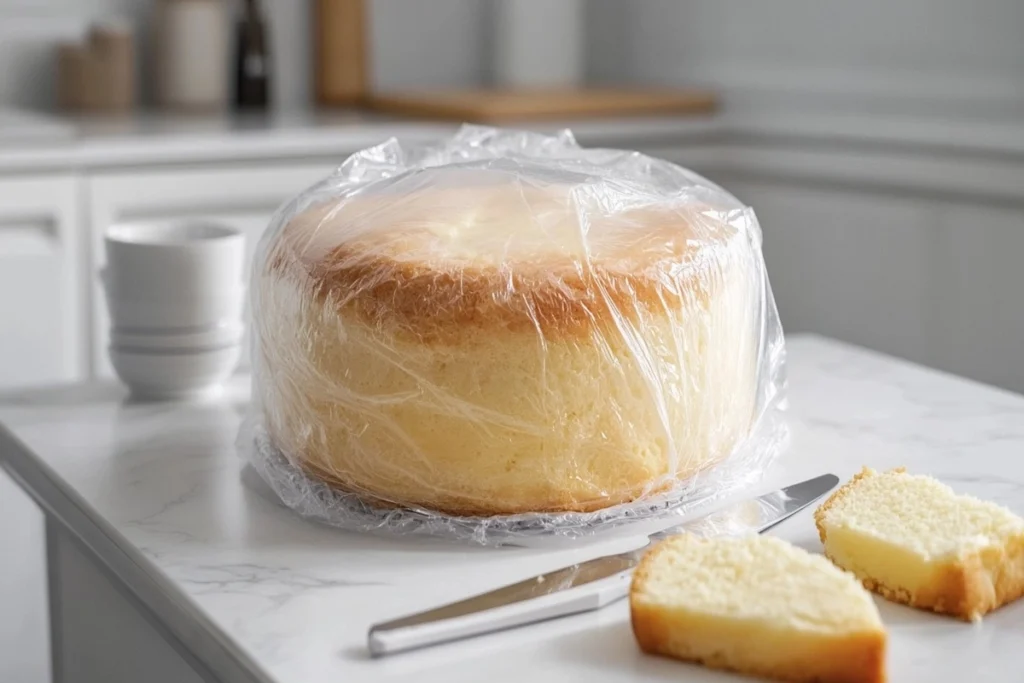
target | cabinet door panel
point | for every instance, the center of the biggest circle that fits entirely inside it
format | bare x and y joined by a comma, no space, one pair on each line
979,292
243,198
848,264
39,288
924,278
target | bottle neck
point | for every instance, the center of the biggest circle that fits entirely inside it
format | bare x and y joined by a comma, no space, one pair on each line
252,10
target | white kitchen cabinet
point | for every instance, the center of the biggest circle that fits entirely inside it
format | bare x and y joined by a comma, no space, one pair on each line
24,636
847,263
242,197
978,300
40,253
929,279
40,343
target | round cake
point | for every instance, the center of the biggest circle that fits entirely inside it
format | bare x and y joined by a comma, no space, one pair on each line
467,342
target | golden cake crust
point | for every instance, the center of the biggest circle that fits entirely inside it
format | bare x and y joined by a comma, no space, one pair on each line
398,265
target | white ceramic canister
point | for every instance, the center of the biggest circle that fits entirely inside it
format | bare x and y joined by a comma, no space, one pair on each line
174,275
193,51
539,43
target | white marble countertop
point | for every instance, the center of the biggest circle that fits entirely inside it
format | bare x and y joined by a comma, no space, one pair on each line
259,594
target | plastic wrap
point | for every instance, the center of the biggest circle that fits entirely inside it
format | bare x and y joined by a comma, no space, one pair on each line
508,335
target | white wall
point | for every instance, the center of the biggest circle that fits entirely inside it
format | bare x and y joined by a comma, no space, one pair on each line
911,55
439,42
29,29
454,54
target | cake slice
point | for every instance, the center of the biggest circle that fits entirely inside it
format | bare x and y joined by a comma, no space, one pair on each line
913,540
756,605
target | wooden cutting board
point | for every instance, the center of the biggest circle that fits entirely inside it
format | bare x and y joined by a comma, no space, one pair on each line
494,106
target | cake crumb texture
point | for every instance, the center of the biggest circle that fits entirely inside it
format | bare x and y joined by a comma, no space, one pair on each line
913,540
756,605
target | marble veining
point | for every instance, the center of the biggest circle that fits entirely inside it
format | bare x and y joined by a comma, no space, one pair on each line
296,598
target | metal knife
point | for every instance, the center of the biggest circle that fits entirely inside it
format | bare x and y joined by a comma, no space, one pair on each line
558,593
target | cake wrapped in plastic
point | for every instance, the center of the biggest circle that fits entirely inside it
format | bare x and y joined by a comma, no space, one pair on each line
508,334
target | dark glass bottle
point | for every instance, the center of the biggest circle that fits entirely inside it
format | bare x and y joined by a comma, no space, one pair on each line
252,60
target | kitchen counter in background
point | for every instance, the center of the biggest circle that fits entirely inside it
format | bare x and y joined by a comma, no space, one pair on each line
167,558
32,142
161,139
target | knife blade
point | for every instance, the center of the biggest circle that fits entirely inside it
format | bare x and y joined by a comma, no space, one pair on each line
552,594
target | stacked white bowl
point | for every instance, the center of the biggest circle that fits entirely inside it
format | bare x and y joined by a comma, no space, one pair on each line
176,297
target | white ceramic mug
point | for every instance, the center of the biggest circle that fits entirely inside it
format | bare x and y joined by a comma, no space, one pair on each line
142,313
182,274
174,257
164,376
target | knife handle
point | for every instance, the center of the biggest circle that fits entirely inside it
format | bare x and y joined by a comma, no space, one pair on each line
393,637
